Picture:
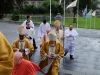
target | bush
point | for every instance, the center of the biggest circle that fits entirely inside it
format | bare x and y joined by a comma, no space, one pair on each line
29,9
15,15
43,8
55,8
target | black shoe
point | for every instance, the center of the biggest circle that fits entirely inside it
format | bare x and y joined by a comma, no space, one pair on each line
36,47
71,57
65,53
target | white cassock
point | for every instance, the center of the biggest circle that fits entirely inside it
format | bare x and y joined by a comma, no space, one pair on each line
30,32
70,41
31,23
42,29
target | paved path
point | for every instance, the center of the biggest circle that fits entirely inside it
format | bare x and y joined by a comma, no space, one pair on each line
87,51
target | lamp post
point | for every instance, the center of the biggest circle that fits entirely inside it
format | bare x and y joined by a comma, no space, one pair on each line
50,11
64,13
77,11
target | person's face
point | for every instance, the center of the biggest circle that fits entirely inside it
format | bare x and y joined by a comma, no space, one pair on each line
29,18
44,21
52,43
71,27
57,28
21,37
28,24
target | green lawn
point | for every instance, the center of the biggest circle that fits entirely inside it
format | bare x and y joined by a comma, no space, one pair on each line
84,23
93,23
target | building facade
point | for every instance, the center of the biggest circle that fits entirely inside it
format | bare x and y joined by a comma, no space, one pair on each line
38,2
34,2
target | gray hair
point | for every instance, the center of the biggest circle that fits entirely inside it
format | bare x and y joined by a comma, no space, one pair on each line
19,54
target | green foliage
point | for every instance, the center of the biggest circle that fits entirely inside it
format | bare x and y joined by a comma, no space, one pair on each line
55,7
5,7
91,4
94,4
82,23
28,9
42,10
15,15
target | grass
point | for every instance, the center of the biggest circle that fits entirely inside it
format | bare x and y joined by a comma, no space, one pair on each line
93,23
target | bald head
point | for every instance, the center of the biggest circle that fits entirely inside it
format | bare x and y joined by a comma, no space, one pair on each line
17,57
70,26
48,30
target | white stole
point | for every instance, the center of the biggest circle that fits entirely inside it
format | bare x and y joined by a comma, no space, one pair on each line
51,53
21,45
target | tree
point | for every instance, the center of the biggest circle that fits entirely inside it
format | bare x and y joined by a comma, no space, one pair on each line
28,9
18,4
55,7
94,4
5,7
75,12
91,4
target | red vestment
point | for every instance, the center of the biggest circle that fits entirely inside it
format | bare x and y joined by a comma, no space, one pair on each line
25,68
44,40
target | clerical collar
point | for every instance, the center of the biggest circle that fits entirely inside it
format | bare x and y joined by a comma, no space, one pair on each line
28,21
27,27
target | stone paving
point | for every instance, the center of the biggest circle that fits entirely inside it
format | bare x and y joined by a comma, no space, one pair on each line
87,51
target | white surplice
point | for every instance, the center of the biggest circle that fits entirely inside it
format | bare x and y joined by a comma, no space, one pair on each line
30,32
31,24
42,29
70,41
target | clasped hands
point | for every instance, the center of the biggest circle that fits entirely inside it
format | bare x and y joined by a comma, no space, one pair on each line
27,37
21,50
70,35
52,57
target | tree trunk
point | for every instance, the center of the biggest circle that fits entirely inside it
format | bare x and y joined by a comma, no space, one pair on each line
1,16
75,12
74,18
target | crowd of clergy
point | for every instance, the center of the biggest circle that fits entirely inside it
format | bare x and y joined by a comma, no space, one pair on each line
55,44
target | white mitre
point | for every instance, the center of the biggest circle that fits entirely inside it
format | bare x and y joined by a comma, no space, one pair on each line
52,36
21,30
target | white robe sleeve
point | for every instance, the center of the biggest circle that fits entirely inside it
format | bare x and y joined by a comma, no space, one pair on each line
31,23
32,33
27,51
67,34
75,34
40,31
49,26
24,24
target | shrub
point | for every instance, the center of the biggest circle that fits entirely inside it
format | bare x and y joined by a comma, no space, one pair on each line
15,15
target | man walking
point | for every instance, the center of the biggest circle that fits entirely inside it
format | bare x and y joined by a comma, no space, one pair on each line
43,28
70,36
51,52
28,19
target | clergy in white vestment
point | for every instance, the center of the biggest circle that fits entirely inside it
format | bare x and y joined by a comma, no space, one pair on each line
28,19
30,33
42,28
70,36
58,31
